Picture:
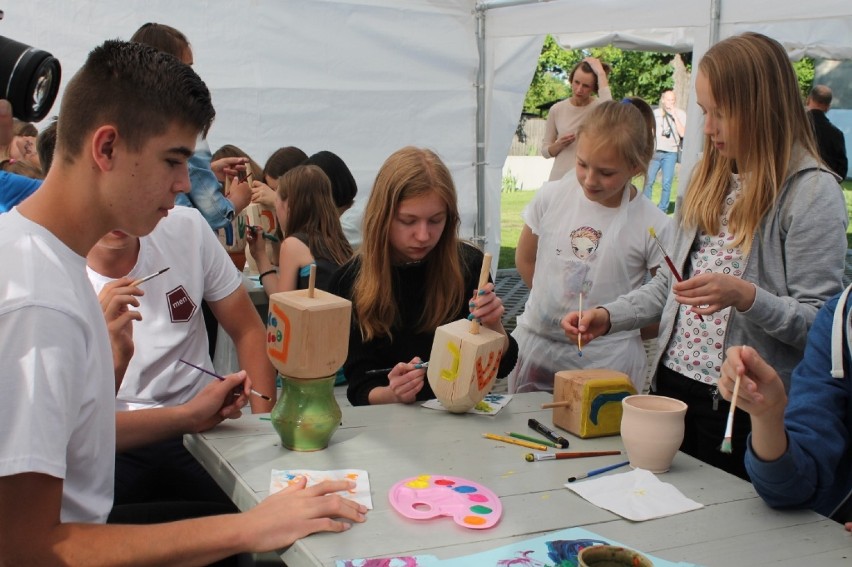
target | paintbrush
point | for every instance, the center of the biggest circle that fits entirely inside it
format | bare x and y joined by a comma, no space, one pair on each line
729,427
597,471
579,321
576,455
148,277
267,235
668,260
387,370
213,374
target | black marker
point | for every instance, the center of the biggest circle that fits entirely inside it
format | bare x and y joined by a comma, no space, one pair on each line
560,442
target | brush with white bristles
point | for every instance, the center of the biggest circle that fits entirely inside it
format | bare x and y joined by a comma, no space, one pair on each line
729,428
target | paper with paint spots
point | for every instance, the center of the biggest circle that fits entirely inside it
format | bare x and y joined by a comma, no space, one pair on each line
490,404
281,479
637,495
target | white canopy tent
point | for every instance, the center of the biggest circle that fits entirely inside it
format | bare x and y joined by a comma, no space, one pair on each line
363,78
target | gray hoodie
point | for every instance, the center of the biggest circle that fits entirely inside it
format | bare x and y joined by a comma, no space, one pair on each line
796,262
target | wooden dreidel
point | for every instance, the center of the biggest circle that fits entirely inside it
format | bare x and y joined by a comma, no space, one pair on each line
587,402
233,237
263,218
464,359
307,341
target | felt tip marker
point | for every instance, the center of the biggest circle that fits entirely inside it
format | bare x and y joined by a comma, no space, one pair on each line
214,375
535,425
597,471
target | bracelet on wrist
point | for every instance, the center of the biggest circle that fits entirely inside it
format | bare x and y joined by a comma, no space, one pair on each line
266,273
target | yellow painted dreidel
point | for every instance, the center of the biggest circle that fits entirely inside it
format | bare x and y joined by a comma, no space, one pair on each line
464,359
307,339
587,401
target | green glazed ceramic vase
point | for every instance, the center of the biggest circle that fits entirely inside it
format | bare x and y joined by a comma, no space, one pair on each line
306,414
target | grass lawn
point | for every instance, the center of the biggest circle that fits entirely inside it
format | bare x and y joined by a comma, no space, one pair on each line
513,202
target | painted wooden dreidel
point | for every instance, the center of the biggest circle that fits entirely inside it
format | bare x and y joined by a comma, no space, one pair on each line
263,218
464,359
233,237
307,341
587,402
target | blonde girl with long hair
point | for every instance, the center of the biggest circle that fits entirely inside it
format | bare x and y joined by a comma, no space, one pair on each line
760,243
410,275
308,217
586,236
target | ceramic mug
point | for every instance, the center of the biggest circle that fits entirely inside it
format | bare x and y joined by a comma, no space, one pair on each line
652,430
611,556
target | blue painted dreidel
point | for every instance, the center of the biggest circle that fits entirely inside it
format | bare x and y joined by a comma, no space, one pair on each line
465,358
587,402
307,340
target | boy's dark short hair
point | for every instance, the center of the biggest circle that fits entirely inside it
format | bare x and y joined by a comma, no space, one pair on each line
139,89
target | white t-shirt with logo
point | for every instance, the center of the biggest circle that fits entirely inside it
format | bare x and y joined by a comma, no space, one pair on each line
172,325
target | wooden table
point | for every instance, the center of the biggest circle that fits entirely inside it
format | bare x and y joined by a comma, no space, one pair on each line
395,441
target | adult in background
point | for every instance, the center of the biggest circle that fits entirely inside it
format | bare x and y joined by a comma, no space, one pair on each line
671,124
832,145
587,78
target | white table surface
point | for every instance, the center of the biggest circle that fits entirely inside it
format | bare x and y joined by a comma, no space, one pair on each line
396,441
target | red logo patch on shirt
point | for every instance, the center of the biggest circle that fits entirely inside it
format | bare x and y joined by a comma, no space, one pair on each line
181,306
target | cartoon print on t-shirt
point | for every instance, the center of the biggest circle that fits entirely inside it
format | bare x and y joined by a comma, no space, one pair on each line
584,241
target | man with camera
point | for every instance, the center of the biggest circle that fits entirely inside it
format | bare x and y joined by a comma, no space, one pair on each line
671,125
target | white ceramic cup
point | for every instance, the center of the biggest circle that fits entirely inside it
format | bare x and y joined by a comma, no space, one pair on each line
652,430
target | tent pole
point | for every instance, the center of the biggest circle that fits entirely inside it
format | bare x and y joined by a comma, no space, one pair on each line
715,19
479,230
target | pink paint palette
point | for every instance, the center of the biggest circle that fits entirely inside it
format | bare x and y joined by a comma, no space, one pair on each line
424,497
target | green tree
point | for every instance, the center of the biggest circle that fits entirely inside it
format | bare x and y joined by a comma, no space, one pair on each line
805,73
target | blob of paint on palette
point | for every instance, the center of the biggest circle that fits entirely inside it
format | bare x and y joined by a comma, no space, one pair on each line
424,497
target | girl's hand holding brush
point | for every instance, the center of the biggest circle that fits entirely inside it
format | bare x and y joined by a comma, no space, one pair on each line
594,323
709,293
761,394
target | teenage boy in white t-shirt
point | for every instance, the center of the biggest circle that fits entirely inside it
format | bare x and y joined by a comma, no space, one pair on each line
127,126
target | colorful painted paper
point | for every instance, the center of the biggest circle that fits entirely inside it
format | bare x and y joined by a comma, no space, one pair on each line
490,404
556,549
281,479
404,561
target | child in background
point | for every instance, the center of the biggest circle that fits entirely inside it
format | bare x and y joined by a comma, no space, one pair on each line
588,234
410,275
280,162
760,242
308,216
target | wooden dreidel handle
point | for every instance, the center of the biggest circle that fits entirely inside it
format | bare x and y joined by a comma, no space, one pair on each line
483,279
307,332
464,359
312,280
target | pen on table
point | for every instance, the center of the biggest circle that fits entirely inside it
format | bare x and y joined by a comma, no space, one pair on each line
513,441
148,277
530,457
386,371
561,442
597,471
532,439
213,374
669,262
